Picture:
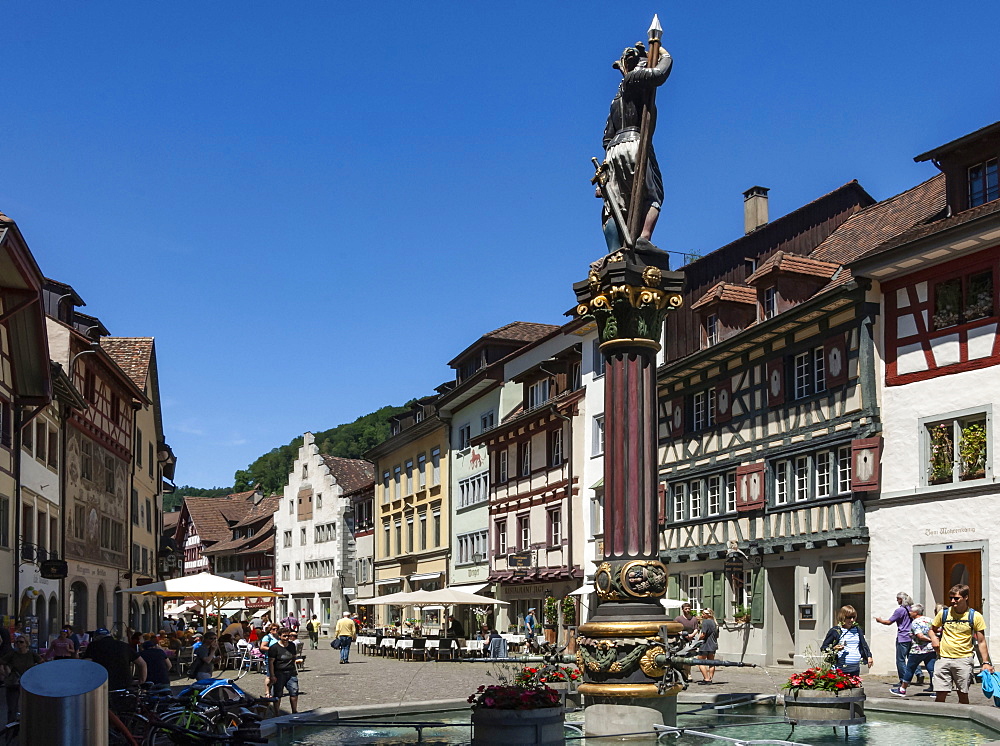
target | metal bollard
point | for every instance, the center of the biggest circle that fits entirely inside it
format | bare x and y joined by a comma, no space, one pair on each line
64,703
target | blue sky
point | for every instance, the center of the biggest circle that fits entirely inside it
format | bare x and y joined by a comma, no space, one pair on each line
313,206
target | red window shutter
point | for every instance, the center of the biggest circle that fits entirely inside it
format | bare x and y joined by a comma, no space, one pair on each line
724,400
750,487
835,360
677,417
776,382
866,464
661,496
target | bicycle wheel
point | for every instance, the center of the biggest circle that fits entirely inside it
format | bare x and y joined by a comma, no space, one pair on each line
183,729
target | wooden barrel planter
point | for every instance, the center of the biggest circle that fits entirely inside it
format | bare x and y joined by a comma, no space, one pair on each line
818,707
539,727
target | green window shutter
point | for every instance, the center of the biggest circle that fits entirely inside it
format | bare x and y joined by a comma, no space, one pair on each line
757,598
674,587
718,595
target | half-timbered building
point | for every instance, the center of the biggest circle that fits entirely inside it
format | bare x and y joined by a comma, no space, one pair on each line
937,284
535,453
769,429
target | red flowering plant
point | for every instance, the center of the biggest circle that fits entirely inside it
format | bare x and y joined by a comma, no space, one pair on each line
824,677
523,689
547,674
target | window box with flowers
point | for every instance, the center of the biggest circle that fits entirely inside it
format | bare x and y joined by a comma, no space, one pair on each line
958,448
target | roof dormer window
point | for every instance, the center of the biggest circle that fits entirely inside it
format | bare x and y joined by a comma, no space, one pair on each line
711,329
769,308
984,185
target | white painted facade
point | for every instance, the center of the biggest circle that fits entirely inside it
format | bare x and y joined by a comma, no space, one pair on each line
309,543
592,461
916,526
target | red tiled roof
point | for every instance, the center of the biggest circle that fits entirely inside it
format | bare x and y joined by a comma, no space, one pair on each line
725,292
352,474
886,224
261,511
794,264
266,531
170,520
521,331
214,516
132,355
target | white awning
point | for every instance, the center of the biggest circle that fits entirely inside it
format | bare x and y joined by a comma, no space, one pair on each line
424,576
428,608
362,601
584,590
469,587
389,581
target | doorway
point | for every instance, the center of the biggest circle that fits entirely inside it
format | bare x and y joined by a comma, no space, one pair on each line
964,568
781,582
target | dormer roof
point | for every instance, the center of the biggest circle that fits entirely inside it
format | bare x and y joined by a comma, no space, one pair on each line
726,292
781,262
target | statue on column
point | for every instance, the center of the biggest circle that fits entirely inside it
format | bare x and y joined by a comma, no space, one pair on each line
629,151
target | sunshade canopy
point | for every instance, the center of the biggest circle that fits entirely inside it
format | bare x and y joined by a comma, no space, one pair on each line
203,585
443,597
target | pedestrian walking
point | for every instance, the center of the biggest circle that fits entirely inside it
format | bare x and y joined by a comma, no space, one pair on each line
281,669
921,649
847,642
346,633
901,618
709,643
13,664
963,631
312,627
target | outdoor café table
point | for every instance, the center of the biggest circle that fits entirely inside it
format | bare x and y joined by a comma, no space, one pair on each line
402,644
514,642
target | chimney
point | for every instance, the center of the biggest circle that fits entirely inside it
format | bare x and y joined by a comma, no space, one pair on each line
754,208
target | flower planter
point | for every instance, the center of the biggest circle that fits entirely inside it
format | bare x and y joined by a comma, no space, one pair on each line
819,707
495,727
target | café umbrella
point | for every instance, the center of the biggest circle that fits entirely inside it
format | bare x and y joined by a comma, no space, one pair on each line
208,589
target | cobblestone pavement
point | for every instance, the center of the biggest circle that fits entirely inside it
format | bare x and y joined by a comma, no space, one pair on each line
368,681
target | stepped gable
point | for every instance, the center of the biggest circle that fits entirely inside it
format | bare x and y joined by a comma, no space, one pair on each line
132,355
882,225
352,474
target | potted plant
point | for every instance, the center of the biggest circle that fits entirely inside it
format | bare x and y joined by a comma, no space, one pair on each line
824,695
551,619
741,614
569,611
512,713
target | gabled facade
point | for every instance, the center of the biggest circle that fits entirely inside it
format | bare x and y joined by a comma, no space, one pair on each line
248,556
314,541
206,521
535,454
26,393
136,356
471,407
361,522
97,465
412,507
770,433
939,347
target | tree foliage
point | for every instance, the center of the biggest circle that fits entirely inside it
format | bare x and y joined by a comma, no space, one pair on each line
350,440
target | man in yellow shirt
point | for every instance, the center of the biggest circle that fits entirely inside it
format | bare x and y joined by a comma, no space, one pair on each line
963,629
346,633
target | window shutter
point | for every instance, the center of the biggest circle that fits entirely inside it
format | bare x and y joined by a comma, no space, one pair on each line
724,400
661,496
714,593
775,382
757,598
835,359
674,587
866,456
677,417
750,487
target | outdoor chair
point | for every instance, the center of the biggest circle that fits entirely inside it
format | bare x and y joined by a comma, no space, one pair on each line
419,647
497,648
447,648
229,656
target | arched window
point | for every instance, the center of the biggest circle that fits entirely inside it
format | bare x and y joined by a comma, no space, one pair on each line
133,615
101,607
78,604
119,612
43,622
147,618
53,615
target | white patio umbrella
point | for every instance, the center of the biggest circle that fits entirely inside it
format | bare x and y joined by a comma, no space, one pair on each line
454,597
211,590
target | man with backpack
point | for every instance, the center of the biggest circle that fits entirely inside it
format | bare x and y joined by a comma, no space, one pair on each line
312,627
963,630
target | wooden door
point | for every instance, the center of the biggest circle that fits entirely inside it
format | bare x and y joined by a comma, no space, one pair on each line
964,567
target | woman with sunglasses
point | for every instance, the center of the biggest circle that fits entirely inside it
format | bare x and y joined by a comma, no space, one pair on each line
12,667
847,641
281,669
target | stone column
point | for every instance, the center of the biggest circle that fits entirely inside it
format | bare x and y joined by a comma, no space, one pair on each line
628,294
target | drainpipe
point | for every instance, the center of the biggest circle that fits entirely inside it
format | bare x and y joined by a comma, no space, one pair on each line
18,540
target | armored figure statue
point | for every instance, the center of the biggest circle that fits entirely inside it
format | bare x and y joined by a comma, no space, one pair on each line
621,144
